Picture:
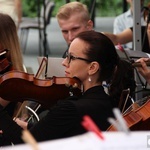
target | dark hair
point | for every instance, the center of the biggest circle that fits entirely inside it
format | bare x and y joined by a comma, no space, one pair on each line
146,12
102,50
113,70
122,79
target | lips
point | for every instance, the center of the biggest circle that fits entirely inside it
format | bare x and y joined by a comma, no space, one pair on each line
66,73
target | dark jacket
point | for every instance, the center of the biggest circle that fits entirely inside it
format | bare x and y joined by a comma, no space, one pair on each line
64,119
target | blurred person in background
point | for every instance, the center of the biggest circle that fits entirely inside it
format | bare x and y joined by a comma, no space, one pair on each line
125,21
12,8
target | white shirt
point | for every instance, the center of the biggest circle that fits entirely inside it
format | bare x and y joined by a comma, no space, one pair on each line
123,22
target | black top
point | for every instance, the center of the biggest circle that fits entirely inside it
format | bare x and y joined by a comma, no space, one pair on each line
64,119
145,43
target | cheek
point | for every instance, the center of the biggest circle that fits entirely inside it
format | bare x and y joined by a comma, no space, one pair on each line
75,33
79,71
65,36
73,70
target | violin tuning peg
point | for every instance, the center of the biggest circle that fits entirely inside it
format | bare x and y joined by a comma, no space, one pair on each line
67,84
75,85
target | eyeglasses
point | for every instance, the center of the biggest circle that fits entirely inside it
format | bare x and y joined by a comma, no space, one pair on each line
70,57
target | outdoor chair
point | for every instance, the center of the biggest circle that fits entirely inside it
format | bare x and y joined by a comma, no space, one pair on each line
39,24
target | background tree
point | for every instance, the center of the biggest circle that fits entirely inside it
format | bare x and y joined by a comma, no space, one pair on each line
104,8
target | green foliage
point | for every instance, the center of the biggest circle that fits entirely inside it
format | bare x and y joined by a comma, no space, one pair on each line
29,8
103,7
108,8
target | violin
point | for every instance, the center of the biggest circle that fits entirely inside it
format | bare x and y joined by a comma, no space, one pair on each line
5,64
137,117
18,86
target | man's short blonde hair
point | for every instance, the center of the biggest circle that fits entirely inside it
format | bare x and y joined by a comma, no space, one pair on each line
67,10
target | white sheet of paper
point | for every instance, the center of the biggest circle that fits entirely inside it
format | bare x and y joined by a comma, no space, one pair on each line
90,141
55,67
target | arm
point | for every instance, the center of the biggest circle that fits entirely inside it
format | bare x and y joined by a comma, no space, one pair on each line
3,102
122,38
144,70
10,129
118,27
61,119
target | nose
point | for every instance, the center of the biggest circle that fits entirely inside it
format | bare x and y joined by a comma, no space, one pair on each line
65,62
70,36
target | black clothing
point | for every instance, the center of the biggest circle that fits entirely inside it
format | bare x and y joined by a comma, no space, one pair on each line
64,54
10,108
64,119
145,45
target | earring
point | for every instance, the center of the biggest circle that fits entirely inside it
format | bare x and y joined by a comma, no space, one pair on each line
89,79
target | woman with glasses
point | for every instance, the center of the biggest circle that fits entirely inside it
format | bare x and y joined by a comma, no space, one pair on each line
91,58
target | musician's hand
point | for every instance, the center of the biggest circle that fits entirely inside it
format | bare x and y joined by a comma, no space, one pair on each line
21,123
144,70
1,131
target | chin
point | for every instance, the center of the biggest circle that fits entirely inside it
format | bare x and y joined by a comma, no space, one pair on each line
67,75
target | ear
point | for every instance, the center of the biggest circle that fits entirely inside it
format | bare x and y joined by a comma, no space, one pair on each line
90,25
94,67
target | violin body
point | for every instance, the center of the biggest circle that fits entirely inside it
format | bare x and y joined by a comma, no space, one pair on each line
18,86
137,119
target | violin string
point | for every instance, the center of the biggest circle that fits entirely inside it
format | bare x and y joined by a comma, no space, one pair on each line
127,97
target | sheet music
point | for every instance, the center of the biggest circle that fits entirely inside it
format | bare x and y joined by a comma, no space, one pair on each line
122,141
54,68
132,54
90,141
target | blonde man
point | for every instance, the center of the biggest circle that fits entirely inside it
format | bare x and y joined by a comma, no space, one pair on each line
73,18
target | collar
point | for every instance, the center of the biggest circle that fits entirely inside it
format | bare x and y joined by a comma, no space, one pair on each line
94,89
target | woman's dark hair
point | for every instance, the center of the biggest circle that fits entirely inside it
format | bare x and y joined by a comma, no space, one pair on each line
102,50
123,79
116,72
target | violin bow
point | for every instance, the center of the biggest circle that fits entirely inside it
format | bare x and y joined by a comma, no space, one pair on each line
20,110
41,67
28,138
